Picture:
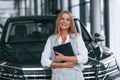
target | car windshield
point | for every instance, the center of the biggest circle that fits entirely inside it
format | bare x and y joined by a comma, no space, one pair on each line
38,31
30,31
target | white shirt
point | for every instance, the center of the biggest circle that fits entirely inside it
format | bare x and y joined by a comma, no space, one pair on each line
82,58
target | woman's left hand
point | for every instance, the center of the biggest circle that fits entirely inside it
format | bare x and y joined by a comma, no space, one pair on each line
59,57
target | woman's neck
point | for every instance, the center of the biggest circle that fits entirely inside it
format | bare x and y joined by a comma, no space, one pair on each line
64,33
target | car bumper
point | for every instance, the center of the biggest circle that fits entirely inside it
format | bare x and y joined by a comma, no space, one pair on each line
106,68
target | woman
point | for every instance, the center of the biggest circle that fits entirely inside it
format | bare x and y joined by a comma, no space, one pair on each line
71,68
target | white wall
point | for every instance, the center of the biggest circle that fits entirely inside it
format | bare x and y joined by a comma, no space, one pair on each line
115,28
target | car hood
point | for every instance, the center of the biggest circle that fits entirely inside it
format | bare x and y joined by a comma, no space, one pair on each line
22,53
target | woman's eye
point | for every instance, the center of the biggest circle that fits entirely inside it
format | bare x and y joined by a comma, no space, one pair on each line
62,18
68,19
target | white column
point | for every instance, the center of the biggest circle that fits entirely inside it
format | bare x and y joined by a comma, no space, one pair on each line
75,8
39,7
65,5
95,16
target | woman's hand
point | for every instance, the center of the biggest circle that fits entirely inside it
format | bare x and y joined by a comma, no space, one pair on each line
68,64
59,57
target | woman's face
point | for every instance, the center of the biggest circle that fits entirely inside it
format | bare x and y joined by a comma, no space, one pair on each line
65,22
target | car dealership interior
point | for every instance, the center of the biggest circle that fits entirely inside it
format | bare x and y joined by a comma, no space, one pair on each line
100,18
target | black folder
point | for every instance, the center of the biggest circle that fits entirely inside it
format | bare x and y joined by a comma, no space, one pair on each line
65,49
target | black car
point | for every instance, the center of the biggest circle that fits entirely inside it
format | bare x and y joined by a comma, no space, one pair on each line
23,40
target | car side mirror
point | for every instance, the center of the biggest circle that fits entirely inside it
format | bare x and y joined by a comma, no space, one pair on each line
98,37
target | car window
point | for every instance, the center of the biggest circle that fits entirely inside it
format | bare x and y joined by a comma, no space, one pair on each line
30,31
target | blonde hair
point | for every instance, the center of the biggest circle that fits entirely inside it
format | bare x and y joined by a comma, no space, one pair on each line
71,30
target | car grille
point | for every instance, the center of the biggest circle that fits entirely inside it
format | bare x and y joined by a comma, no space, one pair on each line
10,73
106,67
37,73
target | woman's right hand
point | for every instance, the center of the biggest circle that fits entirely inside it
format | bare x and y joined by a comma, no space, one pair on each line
68,64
